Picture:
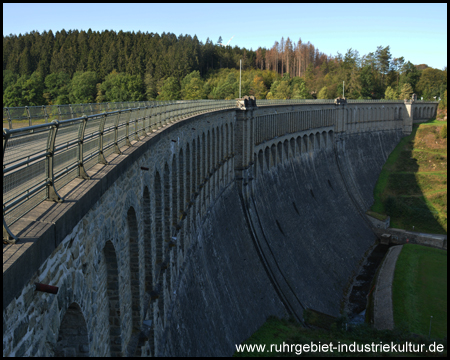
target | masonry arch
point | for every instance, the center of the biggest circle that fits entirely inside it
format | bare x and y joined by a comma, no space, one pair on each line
158,218
209,166
181,188
311,143
274,156
134,267
330,139
260,169
208,154
267,157
299,145
203,160
112,291
73,334
217,170
280,152
212,168
174,211
226,141
188,192
199,164
292,144
324,139
167,220
231,138
146,217
193,167
194,178
305,147
317,138
286,149
221,157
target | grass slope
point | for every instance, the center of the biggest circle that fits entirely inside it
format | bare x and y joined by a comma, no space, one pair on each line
420,290
412,187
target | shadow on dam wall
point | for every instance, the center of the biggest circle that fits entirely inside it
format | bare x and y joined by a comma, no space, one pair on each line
293,244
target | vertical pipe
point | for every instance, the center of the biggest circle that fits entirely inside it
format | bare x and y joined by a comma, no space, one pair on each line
81,171
136,119
240,76
52,194
9,118
71,111
45,113
101,156
127,127
28,115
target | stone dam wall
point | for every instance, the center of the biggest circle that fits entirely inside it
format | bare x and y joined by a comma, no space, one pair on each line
309,233
242,214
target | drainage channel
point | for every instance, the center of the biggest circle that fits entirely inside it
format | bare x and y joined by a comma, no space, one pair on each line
357,301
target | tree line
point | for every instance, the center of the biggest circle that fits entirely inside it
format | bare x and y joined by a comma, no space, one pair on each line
78,67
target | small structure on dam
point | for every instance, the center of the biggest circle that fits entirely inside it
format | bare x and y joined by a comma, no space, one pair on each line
181,231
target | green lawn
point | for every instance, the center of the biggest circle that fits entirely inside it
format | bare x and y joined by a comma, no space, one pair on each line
420,290
412,186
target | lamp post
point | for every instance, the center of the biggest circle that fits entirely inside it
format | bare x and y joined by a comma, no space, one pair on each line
240,75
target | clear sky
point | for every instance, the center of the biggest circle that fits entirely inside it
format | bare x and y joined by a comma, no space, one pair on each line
416,31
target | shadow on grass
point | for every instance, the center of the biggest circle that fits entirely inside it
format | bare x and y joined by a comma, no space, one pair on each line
402,196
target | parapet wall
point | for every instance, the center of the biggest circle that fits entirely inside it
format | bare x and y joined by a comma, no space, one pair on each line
189,240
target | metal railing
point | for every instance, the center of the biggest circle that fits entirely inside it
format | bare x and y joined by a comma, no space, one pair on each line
294,101
389,101
39,160
375,101
17,117
329,101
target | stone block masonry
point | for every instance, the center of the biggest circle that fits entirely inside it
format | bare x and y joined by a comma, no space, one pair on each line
242,214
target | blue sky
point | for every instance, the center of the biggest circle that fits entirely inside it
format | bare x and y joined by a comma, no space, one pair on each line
416,31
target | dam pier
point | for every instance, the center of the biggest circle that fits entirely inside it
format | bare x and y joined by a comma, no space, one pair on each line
171,232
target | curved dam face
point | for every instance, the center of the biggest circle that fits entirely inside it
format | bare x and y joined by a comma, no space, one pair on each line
186,241
293,244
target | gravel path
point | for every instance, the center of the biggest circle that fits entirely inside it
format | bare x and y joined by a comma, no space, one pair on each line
383,311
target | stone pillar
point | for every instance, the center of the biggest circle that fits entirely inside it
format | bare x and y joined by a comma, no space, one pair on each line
340,115
408,117
244,144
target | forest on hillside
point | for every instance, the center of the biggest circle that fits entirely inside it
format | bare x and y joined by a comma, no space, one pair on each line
85,67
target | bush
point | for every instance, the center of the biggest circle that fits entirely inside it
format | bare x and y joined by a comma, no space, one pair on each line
443,131
443,102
